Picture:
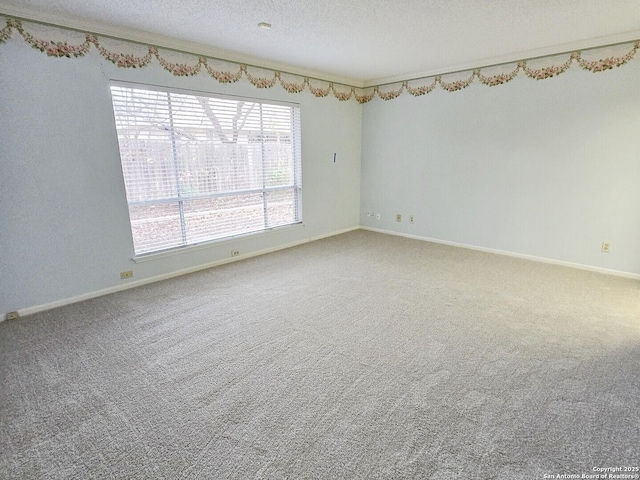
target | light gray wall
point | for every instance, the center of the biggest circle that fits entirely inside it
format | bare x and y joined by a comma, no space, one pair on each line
544,168
63,213
548,168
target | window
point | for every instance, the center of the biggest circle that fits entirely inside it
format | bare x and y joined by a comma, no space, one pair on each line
199,168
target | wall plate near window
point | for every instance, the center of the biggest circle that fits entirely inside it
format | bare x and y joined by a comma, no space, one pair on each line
199,167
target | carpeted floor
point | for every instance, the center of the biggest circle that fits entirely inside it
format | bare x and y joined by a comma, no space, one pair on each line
360,356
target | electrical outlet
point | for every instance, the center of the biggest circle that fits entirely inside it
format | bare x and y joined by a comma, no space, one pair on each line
127,274
606,247
13,315
235,253
377,216
411,219
398,217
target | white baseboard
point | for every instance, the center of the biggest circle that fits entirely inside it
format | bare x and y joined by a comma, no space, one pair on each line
118,288
579,266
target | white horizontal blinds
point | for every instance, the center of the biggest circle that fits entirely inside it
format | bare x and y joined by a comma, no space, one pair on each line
201,168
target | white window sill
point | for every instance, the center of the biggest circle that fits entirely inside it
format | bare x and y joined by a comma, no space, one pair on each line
214,243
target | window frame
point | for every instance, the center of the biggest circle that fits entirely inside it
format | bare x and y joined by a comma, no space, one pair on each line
296,187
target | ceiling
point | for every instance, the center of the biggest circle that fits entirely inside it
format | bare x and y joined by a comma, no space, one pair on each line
362,41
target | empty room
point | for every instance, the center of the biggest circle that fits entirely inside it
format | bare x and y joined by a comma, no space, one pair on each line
320,240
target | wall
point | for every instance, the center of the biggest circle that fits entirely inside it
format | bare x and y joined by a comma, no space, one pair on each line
64,222
548,168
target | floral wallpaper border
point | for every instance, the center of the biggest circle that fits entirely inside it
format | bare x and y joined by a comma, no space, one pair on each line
339,91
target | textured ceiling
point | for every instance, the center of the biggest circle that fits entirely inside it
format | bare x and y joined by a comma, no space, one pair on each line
363,39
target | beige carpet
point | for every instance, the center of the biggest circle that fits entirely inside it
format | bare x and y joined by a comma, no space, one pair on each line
360,356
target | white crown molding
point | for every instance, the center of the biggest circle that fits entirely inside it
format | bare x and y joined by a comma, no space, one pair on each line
592,43
161,41
147,38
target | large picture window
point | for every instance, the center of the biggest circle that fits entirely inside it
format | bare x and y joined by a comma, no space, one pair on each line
199,168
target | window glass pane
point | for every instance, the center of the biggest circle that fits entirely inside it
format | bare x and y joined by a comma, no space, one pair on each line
278,163
213,218
155,227
198,168
281,207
